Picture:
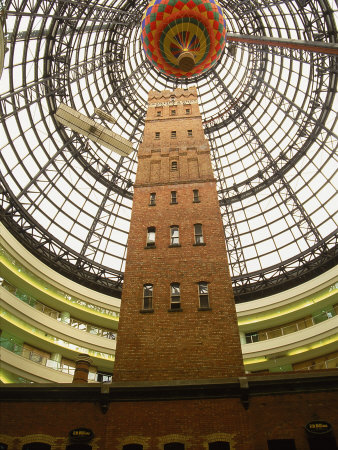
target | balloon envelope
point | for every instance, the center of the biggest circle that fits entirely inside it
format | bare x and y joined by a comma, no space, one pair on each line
183,37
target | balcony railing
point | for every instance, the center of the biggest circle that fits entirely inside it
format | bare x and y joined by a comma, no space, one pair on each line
258,336
74,323
38,358
51,288
327,364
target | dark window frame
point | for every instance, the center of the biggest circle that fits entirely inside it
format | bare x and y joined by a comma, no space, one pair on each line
174,166
148,293
151,242
174,240
175,298
152,199
203,295
173,197
198,234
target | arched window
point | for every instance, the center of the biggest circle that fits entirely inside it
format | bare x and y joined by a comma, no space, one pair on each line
175,296
219,445
147,296
151,233
174,446
203,293
36,446
133,447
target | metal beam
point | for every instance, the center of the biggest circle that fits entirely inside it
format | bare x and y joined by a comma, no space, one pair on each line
310,46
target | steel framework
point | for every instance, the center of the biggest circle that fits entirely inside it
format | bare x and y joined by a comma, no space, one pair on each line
268,113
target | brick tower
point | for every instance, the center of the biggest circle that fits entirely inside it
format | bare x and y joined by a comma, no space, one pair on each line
178,317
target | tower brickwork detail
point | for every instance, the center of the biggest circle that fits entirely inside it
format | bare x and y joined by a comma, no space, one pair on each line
178,318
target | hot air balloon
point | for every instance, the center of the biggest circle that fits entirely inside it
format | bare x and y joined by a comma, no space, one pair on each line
183,37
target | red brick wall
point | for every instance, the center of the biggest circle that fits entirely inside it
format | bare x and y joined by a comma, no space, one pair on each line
285,416
193,422
189,344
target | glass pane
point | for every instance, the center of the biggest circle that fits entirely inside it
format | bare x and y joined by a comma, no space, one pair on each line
204,301
198,228
203,288
147,303
175,289
151,236
148,290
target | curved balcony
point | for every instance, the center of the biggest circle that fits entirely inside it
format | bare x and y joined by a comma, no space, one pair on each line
24,271
312,342
59,316
37,368
50,324
307,322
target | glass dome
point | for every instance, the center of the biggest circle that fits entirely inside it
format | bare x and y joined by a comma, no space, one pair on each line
268,113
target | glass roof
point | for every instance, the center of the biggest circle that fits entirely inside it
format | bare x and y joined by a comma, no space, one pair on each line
268,112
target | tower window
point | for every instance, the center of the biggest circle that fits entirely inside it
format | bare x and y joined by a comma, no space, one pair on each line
152,200
151,237
196,197
173,197
173,112
173,135
147,296
174,165
158,113
189,133
157,135
174,235
175,296
198,234
188,111
203,293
